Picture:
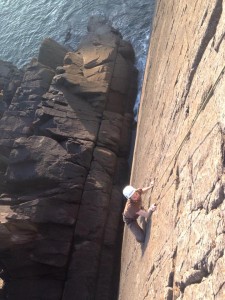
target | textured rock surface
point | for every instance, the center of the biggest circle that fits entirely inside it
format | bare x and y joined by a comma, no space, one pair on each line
181,145
65,144
51,53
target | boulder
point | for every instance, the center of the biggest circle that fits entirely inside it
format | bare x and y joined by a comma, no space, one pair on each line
51,53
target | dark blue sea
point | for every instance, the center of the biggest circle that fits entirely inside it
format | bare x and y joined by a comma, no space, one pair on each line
25,23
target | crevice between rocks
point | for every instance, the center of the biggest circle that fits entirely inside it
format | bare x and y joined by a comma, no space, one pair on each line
72,243
220,288
74,237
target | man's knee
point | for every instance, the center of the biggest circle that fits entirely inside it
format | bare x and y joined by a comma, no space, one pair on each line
140,238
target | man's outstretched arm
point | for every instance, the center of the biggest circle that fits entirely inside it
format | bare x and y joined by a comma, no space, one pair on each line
147,213
145,189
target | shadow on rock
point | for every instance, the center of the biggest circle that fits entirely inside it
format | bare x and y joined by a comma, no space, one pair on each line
147,229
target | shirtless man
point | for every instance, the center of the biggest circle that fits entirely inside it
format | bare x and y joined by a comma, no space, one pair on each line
133,209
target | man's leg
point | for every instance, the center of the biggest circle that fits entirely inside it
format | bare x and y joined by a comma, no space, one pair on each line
137,231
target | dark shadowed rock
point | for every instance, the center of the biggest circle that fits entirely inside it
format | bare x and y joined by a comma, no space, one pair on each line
44,211
10,79
51,53
65,140
126,50
41,161
110,131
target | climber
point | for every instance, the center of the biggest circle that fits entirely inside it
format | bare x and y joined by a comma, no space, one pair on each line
133,209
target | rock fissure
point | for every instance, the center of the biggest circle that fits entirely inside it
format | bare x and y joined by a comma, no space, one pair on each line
71,250
220,289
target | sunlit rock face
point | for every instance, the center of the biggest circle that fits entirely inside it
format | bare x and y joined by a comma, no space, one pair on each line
180,144
65,140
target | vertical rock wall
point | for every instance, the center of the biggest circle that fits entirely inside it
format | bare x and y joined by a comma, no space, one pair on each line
61,207
180,143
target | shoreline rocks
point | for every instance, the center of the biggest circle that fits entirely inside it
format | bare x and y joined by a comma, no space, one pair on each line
66,135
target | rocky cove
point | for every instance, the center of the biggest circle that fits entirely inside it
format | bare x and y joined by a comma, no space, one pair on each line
65,140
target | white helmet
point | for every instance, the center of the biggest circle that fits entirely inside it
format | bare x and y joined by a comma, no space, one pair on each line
128,191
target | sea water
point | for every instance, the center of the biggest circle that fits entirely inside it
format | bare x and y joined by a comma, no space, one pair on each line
25,23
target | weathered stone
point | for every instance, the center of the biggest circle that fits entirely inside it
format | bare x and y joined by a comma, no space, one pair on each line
126,135
118,85
51,53
75,59
65,191
27,107
93,228
50,252
20,264
97,102
10,79
126,50
98,55
121,174
17,121
98,180
106,159
4,213
191,277
80,86
39,167
112,226
180,144
121,68
168,294
5,69
199,291
83,271
60,187
67,127
100,73
104,288
110,131
36,72
116,102
80,150
13,125
37,78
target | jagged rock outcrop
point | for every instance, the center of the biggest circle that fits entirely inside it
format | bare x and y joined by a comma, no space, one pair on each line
180,143
51,58
10,79
66,136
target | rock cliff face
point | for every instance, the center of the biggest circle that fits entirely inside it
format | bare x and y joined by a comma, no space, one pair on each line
180,143
64,147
